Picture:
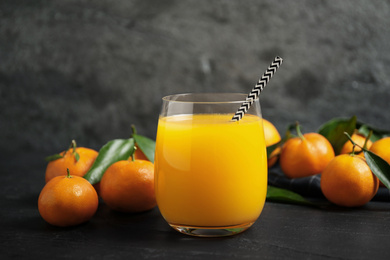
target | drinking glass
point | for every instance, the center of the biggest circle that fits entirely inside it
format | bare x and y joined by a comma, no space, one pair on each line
210,172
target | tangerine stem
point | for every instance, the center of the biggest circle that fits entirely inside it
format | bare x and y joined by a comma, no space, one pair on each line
133,129
298,128
133,154
68,175
353,149
353,143
74,145
350,138
367,138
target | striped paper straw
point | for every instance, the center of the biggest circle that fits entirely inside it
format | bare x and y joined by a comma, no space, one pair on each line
257,89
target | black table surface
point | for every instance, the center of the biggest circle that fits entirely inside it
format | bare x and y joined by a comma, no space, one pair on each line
283,231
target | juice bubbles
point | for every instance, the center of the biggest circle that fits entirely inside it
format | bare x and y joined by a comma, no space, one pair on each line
210,172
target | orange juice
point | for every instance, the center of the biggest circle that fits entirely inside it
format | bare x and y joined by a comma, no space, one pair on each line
210,172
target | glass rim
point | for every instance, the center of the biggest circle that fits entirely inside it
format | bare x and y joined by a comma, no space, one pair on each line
239,97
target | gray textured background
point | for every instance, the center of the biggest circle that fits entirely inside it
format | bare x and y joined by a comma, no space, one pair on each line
89,69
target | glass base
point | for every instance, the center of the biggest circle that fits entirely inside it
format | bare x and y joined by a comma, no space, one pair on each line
211,231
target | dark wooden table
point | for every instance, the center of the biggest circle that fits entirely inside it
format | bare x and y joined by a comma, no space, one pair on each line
282,232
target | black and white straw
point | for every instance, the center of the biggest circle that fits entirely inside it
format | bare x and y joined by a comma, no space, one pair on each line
254,94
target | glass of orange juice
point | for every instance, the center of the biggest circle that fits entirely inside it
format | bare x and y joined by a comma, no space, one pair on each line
210,172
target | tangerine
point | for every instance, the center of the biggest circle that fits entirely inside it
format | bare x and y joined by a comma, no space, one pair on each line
305,155
128,186
67,201
79,168
381,148
348,181
272,137
359,140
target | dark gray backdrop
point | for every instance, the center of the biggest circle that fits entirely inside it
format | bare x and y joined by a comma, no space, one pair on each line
87,70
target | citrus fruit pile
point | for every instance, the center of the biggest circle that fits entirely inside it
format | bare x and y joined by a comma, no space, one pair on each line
121,173
350,157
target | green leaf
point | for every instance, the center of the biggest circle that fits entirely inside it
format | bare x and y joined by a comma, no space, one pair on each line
377,134
53,157
379,167
271,148
334,129
112,152
146,145
286,196
76,156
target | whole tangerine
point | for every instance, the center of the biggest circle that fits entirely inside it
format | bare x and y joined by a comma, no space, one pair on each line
128,186
359,140
348,181
78,167
67,201
381,148
305,155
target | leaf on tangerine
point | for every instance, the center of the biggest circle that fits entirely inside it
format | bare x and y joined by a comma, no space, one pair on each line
377,134
334,129
112,152
272,148
53,157
379,167
146,145
76,156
